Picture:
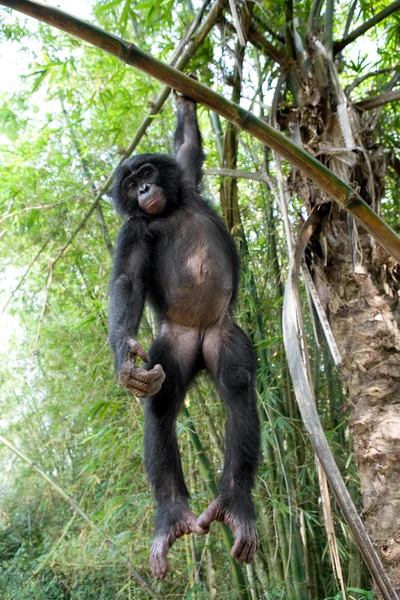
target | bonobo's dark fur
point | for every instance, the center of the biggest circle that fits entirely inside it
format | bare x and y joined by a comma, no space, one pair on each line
177,254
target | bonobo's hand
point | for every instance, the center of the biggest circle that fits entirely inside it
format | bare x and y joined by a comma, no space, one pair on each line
139,382
181,98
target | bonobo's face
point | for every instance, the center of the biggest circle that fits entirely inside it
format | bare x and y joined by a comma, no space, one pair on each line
147,184
142,185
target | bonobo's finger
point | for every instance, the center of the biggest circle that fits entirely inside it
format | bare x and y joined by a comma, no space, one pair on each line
155,374
142,390
145,378
179,96
141,374
161,373
131,372
135,349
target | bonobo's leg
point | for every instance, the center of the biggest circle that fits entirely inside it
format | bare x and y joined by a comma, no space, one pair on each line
177,350
231,361
188,145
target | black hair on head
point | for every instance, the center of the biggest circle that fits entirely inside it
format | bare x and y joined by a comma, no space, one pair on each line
170,177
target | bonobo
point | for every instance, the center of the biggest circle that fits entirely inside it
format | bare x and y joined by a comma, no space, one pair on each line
175,252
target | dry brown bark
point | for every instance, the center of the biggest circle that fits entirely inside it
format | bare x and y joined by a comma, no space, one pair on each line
364,314
359,285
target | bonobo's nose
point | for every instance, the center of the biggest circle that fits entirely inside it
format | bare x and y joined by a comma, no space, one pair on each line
144,188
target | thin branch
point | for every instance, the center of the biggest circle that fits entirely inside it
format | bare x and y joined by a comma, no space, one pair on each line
314,14
381,100
258,41
289,30
84,516
350,18
264,26
329,17
191,29
104,230
86,172
24,276
28,208
352,86
386,12
373,119
41,318
238,174
91,210
339,191
236,22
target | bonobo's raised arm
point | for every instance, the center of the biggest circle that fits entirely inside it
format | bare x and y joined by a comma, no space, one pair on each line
188,145
127,295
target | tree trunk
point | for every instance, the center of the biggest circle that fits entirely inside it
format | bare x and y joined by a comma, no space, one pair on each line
362,315
358,285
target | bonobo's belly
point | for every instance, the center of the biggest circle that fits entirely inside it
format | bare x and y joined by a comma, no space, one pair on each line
197,277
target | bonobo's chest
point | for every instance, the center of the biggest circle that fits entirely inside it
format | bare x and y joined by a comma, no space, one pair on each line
193,271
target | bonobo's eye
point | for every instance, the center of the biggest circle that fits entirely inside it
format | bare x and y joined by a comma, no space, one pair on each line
147,174
131,186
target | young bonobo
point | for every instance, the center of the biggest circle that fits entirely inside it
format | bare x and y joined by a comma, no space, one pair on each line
175,252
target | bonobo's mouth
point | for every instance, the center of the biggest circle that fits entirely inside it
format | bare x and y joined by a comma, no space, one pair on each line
154,204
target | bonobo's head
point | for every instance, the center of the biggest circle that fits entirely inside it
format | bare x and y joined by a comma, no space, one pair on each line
147,184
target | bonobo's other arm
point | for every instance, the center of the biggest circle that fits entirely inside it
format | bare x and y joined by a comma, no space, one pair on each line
126,308
188,146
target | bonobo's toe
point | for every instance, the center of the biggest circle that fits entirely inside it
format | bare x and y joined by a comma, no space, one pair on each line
158,556
212,513
246,543
175,526
245,530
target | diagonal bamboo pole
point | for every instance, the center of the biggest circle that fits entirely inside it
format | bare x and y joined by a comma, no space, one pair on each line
127,52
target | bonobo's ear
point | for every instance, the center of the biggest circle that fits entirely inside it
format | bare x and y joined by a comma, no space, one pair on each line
117,193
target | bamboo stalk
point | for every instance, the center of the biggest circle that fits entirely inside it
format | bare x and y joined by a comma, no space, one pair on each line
380,16
127,52
381,100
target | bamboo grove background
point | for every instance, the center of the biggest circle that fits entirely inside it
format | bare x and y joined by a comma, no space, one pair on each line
66,122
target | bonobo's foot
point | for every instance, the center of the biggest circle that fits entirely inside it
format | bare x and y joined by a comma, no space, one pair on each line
139,382
244,528
181,98
174,519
